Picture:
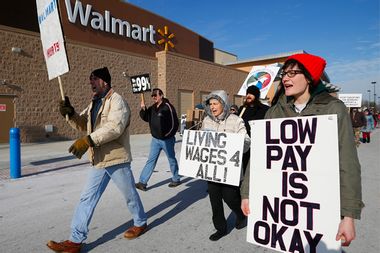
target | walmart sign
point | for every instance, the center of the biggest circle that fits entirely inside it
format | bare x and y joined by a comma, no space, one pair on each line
105,22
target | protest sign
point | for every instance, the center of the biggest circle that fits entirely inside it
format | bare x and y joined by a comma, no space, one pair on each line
52,38
212,156
351,100
262,77
294,184
140,83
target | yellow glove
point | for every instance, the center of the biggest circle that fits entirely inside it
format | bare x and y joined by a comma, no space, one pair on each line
80,146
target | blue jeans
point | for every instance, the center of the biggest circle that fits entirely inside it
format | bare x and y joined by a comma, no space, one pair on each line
97,182
155,149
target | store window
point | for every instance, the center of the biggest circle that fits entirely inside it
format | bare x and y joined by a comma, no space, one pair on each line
185,98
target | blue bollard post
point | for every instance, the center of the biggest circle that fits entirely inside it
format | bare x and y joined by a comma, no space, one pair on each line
14,149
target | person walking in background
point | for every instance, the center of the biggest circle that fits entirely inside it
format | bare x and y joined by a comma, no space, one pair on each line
106,121
220,119
374,115
358,121
368,127
234,109
303,94
252,109
163,123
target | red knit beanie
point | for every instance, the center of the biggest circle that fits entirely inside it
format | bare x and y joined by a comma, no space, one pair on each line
312,63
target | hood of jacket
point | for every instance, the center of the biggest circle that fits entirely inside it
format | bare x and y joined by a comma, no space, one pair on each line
220,95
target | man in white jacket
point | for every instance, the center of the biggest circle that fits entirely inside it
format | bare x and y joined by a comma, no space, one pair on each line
106,121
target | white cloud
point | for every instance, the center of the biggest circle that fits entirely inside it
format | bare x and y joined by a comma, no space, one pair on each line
348,69
355,76
374,45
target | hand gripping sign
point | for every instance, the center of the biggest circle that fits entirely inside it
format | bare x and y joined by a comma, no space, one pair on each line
212,156
294,184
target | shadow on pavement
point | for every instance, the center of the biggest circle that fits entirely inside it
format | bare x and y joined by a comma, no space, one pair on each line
26,172
195,191
167,181
110,235
53,160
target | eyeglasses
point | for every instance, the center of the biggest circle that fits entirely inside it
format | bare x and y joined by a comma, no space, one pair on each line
154,95
291,73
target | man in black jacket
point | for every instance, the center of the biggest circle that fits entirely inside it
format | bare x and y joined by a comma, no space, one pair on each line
163,123
251,110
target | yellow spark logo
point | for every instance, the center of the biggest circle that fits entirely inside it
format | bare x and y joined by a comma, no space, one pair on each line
166,38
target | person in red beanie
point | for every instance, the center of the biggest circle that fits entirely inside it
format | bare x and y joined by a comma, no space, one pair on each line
301,93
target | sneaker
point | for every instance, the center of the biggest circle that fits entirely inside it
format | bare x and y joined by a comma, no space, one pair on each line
141,186
174,184
134,232
217,235
65,246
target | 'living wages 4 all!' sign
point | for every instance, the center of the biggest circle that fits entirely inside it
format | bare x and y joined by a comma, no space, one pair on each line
212,156
294,184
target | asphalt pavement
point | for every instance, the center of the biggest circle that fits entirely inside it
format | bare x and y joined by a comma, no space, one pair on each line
38,206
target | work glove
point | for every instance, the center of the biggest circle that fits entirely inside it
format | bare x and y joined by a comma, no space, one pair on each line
80,146
65,108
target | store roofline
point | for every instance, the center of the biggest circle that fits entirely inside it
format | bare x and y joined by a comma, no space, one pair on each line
267,57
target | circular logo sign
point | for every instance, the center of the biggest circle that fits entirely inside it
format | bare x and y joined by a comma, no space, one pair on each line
260,79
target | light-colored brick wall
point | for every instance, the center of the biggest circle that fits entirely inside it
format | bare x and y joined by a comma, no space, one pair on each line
182,72
36,98
36,102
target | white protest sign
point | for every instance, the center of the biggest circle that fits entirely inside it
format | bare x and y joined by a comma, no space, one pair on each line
294,184
52,38
140,83
212,156
351,100
262,77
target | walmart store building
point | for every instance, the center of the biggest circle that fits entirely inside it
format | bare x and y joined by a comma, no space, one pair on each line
121,36
129,41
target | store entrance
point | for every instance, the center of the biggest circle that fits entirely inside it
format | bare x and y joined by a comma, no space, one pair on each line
7,110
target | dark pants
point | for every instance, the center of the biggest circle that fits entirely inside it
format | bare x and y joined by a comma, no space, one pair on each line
231,195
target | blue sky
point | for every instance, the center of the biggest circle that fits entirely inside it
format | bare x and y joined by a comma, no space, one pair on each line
344,32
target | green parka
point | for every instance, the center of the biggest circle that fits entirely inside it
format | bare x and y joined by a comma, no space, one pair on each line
322,103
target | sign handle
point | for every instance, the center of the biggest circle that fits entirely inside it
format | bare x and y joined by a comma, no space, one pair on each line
242,111
62,94
142,98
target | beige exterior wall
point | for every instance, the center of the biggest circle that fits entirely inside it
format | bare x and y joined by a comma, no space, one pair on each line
223,57
183,72
37,98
